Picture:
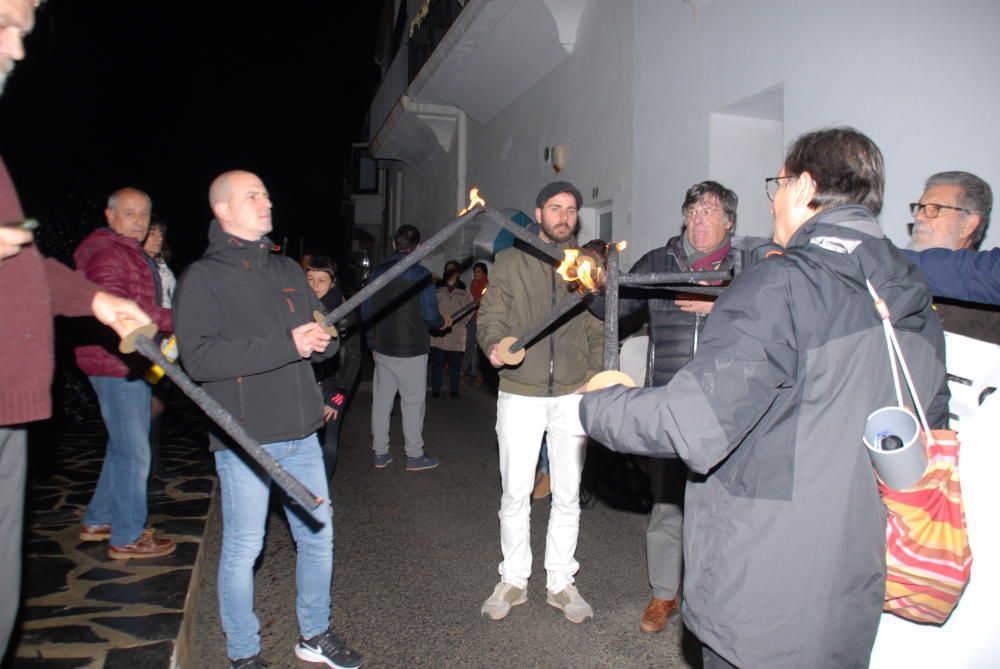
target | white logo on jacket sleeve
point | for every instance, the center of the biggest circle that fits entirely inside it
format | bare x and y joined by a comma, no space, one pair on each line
836,244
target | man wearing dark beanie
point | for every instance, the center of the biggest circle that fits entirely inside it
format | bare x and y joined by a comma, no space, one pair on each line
538,397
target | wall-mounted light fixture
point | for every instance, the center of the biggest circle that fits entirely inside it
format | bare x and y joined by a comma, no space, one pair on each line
559,157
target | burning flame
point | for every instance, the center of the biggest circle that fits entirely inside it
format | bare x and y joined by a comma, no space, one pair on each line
474,200
622,245
581,268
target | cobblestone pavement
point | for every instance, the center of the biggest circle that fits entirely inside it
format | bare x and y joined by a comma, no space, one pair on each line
417,554
82,609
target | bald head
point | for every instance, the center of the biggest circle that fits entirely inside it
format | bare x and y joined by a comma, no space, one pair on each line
221,188
128,212
241,204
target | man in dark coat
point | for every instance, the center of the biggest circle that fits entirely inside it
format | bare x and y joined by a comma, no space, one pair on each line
245,330
784,529
399,319
675,325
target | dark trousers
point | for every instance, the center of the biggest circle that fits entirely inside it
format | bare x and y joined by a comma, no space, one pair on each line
329,438
438,359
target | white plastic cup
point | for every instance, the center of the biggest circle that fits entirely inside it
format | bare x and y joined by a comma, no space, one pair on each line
902,468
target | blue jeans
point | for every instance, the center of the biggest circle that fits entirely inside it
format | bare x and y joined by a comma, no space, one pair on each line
244,492
120,495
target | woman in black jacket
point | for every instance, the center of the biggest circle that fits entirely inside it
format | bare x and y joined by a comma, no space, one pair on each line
335,376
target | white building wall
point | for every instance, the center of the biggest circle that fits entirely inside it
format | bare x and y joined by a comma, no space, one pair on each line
583,103
917,76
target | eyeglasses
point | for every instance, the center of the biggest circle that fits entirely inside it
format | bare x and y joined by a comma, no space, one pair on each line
932,209
704,212
772,184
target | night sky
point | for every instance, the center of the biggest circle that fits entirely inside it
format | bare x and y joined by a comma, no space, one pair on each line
160,96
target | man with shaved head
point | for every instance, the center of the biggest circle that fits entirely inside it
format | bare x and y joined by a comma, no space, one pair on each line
112,257
245,331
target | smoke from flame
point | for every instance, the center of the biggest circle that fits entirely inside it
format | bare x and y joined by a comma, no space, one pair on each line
474,199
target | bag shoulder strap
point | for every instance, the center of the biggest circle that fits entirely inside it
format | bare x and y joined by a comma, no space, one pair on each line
896,353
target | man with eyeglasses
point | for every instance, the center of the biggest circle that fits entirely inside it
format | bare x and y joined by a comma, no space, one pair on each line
950,217
784,537
675,325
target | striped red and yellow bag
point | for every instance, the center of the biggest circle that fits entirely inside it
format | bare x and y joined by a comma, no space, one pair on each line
928,558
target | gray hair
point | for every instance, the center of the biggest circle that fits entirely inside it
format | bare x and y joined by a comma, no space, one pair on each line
976,197
113,198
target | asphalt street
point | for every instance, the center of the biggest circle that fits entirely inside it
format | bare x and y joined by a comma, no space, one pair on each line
417,553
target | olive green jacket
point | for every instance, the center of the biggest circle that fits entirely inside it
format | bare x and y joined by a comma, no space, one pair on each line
523,290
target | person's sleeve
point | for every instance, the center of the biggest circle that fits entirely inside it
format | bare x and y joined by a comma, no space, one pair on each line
492,322
350,361
72,294
745,360
206,354
429,307
972,276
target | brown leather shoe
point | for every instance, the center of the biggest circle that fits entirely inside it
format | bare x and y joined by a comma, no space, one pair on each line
95,532
146,546
542,486
656,615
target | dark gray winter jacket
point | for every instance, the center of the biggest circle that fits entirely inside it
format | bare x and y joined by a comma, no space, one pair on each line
234,314
784,539
674,333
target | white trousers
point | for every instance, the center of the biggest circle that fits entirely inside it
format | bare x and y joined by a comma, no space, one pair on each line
521,422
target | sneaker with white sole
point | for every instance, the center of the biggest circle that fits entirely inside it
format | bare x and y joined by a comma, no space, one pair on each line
574,607
382,460
329,649
503,598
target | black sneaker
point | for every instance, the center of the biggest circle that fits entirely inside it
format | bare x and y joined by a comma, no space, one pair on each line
329,649
248,663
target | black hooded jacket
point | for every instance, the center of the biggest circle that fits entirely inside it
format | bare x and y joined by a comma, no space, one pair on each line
234,312
784,528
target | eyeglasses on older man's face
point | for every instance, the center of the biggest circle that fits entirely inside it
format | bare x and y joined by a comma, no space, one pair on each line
932,209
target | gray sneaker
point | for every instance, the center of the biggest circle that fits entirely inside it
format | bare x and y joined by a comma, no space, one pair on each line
382,460
504,596
423,462
571,604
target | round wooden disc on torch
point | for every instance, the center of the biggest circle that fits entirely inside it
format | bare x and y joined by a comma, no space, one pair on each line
611,377
321,319
508,357
127,344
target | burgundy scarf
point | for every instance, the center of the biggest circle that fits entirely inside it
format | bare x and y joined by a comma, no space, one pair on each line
712,261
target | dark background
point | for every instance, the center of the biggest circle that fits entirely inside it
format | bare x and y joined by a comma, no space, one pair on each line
164,95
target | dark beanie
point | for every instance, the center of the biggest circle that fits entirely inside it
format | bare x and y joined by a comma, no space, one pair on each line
556,187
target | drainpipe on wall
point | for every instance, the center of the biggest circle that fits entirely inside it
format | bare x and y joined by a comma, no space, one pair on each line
461,159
